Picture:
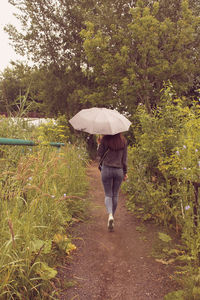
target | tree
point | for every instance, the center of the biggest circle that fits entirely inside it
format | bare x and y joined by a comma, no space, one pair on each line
122,57
131,63
50,37
15,83
49,30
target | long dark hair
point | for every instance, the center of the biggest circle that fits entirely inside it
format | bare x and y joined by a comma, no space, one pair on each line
114,142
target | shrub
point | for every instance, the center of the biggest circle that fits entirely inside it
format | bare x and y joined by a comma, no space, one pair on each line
164,166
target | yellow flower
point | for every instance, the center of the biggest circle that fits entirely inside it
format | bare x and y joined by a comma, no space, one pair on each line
70,248
59,238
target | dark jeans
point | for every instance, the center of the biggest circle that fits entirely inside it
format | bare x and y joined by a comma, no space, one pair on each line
111,179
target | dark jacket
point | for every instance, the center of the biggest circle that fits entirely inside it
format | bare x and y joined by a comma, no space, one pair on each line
117,159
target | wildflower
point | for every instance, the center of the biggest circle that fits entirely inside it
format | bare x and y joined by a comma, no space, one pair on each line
187,207
30,178
52,196
196,150
58,238
185,168
184,147
177,152
64,195
70,247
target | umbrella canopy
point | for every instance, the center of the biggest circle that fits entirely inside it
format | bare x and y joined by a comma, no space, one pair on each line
100,121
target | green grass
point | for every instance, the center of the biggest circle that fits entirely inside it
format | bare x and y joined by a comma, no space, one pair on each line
42,191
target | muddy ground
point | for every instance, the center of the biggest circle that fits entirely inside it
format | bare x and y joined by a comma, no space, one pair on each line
114,265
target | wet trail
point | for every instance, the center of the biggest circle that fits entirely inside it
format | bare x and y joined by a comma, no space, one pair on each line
116,265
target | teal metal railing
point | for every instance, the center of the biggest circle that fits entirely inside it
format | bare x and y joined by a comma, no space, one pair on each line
6,141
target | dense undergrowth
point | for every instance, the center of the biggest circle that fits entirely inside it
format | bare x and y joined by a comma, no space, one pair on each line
42,192
164,172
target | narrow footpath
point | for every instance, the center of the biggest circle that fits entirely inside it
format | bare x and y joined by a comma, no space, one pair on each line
114,265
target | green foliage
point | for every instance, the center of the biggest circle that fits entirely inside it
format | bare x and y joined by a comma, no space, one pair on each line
130,63
48,91
163,165
177,295
16,93
42,193
114,54
58,83
164,237
57,131
160,157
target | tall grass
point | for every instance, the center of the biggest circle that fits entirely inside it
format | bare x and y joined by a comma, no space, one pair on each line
42,191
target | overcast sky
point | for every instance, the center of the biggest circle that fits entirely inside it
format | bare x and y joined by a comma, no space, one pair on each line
6,51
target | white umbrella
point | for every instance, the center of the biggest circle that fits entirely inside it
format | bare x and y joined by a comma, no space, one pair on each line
100,121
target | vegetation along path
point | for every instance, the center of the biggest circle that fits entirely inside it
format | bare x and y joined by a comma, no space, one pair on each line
114,265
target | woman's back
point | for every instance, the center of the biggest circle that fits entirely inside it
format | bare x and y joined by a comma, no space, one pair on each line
116,155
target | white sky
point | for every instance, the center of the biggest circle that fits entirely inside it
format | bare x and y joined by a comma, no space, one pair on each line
7,53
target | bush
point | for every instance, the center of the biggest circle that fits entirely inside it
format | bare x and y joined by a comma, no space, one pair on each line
164,165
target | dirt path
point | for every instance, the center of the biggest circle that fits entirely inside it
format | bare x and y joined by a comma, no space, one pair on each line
116,265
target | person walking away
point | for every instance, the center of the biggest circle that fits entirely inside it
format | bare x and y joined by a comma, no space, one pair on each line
113,150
